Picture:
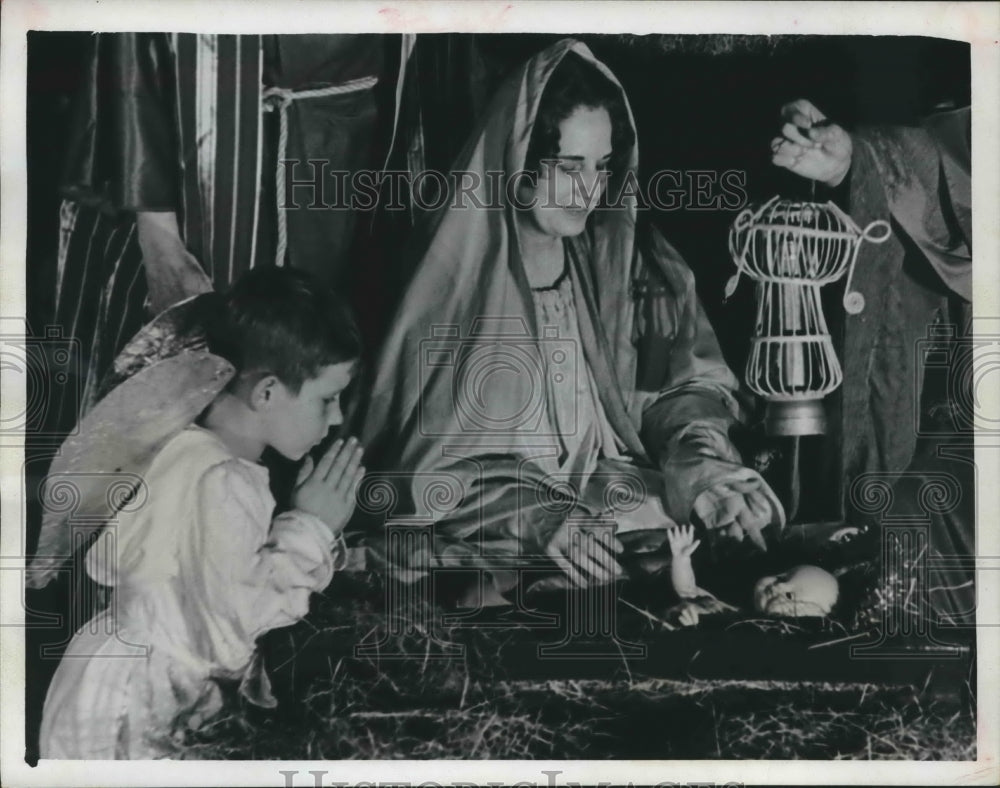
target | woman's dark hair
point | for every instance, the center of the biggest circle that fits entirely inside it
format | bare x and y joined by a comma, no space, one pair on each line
286,323
577,83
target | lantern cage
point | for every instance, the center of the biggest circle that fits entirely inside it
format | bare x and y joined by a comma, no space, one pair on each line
791,249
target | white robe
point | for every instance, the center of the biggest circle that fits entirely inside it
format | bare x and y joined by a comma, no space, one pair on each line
199,572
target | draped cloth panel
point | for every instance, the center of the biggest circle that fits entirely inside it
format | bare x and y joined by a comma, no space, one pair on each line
174,122
918,290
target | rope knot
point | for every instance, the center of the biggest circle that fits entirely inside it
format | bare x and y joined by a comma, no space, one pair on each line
275,98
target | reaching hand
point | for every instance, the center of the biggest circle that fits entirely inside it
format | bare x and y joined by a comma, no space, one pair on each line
588,557
812,146
682,541
682,546
327,489
740,508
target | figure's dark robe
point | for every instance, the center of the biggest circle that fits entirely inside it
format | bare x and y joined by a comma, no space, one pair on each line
904,407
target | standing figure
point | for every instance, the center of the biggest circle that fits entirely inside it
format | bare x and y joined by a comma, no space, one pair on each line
175,164
897,420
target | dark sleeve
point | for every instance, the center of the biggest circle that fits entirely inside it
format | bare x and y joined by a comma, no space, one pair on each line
840,194
925,176
121,152
680,363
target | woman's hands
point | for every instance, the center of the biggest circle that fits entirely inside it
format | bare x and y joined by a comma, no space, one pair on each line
327,489
812,146
589,556
739,508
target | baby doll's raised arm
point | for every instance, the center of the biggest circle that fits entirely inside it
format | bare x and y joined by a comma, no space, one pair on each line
694,600
682,547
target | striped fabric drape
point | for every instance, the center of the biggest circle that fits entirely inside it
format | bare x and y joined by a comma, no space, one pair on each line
219,139
100,288
100,299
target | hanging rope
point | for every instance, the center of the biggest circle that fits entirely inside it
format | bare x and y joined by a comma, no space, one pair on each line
277,99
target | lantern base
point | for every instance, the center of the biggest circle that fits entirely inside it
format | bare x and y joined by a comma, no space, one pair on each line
803,417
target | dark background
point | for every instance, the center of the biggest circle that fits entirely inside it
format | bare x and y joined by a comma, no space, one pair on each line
700,102
706,103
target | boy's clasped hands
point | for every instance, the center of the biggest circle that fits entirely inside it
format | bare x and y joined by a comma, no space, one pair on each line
328,488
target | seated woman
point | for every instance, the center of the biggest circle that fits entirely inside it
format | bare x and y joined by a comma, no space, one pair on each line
550,373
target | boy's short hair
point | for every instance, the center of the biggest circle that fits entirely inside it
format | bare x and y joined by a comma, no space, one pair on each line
284,322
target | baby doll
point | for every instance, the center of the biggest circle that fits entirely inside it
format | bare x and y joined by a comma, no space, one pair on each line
798,592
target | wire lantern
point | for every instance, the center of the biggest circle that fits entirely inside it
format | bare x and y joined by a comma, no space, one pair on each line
791,249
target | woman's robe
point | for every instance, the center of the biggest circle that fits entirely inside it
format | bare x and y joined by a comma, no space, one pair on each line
462,435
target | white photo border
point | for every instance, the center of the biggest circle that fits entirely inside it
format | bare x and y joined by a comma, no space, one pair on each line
975,23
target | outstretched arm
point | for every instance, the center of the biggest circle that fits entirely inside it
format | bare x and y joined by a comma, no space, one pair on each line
682,547
685,426
172,272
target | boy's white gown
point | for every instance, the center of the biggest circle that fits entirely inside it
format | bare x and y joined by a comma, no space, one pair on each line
199,572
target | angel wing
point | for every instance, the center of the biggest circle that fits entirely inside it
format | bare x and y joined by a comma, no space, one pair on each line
160,383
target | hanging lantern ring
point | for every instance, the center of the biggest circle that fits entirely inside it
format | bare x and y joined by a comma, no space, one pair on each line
740,229
876,232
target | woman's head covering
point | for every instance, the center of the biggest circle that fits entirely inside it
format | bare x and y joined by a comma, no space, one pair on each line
469,288
461,371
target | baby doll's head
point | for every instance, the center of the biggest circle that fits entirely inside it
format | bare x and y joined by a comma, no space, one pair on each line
799,592
295,347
